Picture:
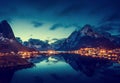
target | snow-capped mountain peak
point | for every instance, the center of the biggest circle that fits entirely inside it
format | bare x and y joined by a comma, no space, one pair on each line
87,30
87,37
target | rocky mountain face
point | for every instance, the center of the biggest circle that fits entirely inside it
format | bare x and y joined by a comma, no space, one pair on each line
37,44
8,42
57,43
6,30
88,37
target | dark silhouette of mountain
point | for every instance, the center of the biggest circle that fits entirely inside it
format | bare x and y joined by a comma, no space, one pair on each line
87,65
37,44
6,30
88,37
94,67
57,43
8,42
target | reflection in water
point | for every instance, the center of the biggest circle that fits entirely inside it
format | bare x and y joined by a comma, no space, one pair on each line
103,70
68,68
6,77
87,65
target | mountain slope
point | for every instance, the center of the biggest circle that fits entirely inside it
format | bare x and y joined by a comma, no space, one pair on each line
8,42
6,30
37,44
87,37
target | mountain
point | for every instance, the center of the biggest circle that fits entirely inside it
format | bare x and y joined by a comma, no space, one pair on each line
88,37
86,65
37,44
8,41
57,43
6,30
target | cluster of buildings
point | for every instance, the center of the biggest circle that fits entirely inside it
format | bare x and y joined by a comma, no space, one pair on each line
113,54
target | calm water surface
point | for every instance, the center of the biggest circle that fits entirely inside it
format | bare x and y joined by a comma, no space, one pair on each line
68,69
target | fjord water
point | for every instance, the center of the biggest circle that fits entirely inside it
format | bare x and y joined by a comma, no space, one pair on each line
68,69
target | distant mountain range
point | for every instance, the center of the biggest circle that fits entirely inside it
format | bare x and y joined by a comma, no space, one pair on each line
85,37
88,37
37,44
8,41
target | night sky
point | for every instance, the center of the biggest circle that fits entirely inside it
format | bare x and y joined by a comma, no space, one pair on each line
51,19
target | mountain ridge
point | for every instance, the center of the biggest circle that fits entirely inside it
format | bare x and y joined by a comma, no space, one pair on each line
88,37
8,42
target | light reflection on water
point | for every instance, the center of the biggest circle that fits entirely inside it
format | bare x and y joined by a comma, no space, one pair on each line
45,70
67,69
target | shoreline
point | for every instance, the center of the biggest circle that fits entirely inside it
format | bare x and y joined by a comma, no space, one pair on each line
13,63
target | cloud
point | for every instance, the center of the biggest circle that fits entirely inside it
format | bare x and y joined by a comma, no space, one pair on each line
56,26
72,9
37,24
55,39
50,10
110,27
119,30
105,28
111,18
41,4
